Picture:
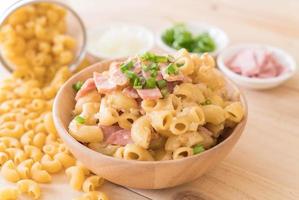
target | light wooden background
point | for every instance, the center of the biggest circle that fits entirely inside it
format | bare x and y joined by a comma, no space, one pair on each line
265,162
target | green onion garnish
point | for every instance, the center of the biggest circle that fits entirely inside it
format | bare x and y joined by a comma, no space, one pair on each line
154,70
180,64
164,91
154,73
154,66
77,86
79,119
162,59
206,102
137,83
131,75
126,66
148,56
161,83
172,69
150,83
146,68
198,149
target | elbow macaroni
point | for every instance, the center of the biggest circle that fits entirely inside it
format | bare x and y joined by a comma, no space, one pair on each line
30,187
33,39
9,171
92,183
193,115
9,193
76,177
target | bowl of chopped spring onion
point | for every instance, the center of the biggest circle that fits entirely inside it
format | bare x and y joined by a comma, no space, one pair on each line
194,37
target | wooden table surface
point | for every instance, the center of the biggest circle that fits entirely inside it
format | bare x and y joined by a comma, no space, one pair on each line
265,162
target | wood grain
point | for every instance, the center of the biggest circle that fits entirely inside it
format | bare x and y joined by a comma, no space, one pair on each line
265,162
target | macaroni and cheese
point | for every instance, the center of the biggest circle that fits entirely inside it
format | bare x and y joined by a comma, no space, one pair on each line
155,107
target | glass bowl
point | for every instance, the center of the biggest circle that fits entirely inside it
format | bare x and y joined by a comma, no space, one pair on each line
75,28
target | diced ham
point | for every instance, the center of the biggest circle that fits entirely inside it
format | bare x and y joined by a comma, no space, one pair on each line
261,57
269,68
231,59
245,60
237,70
108,130
149,94
171,85
116,76
279,68
205,131
258,63
146,74
130,92
120,137
159,76
87,86
137,68
103,83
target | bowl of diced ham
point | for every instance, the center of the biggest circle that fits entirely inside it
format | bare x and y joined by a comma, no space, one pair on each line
256,66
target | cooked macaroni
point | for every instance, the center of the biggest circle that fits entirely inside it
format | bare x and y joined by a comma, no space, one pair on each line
153,107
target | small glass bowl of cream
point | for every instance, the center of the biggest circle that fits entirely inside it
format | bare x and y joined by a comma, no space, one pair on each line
118,40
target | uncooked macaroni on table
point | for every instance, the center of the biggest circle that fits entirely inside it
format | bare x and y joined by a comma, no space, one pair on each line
34,40
155,107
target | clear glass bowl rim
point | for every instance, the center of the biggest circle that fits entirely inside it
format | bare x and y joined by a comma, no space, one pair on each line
82,51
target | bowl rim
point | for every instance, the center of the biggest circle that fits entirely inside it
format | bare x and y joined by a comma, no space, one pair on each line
63,131
165,47
150,37
18,4
284,76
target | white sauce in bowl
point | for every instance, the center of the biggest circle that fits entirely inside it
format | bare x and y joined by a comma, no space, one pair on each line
119,41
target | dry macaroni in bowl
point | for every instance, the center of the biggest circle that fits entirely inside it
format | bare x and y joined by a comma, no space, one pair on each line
154,107
34,39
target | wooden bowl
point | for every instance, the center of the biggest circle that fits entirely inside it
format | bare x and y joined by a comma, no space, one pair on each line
136,174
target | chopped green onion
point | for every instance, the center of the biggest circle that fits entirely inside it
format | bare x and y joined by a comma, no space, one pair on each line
154,73
161,59
154,70
77,86
131,75
179,36
150,83
148,56
198,149
161,83
164,92
154,66
206,102
137,83
146,68
79,119
180,64
172,69
126,66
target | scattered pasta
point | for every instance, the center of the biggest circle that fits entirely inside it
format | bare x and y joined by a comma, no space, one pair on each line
9,193
34,40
